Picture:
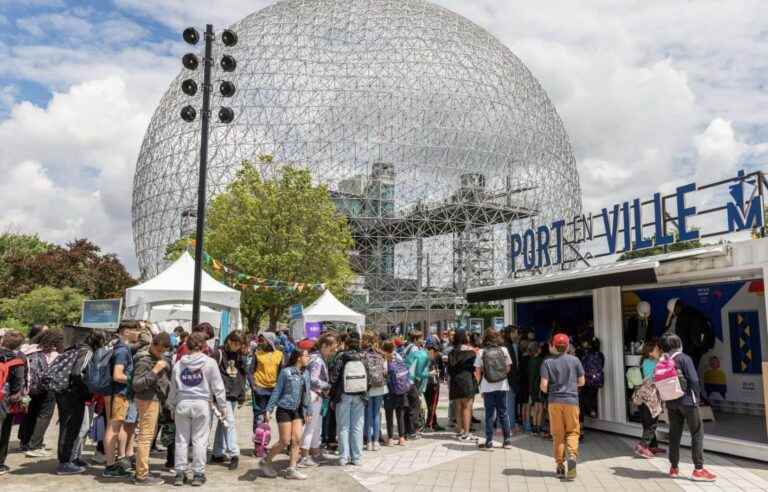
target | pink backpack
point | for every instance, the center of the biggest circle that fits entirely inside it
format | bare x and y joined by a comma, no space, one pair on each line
261,439
666,378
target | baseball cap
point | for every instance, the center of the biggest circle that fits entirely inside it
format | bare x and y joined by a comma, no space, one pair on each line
305,344
561,340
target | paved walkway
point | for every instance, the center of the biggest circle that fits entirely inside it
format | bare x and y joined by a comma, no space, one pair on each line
436,463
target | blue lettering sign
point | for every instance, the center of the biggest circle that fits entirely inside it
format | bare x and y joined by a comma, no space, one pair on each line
516,245
740,220
640,241
611,227
684,234
529,249
543,246
625,215
661,239
558,227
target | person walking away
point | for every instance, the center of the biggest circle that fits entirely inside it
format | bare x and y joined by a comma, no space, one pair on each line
396,400
376,367
511,342
524,393
417,360
561,376
291,398
65,377
646,396
462,383
685,410
536,404
593,363
349,382
151,384
13,377
116,400
432,393
263,373
231,361
195,382
41,353
492,368
319,386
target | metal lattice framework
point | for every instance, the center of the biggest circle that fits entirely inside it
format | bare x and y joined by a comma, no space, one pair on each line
434,138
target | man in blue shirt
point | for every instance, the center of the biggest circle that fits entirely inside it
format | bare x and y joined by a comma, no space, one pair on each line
417,359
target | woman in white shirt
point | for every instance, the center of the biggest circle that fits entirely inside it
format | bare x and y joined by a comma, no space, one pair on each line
492,366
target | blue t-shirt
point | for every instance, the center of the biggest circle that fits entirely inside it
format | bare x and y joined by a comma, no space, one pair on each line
122,357
648,366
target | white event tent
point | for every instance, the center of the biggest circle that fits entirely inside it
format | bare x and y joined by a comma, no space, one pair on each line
170,294
328,308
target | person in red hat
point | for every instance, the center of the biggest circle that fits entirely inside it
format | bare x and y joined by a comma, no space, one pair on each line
561,378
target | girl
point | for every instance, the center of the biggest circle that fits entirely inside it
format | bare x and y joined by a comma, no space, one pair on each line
463,385
650,403
291,397
395,405
536,402
232,367
377,367
319,385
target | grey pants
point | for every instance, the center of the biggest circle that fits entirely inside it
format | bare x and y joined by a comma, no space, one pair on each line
193,425
77,449
679,415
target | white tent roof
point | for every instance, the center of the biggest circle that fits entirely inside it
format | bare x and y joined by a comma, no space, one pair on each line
174,285
328,308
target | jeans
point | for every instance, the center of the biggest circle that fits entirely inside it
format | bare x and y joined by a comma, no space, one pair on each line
37,420
677,416
350,415
496,407
193,425
512,407
148,413
71,405
372,423
260,398
225,441
649,427
565,429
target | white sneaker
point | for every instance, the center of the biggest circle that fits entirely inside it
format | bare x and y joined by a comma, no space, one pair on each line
267,469
294,474
37,453
369,446
307,462
99,458
376,446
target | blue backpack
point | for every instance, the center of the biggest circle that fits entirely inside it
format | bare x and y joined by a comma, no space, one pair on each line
399,377
98,373
593,370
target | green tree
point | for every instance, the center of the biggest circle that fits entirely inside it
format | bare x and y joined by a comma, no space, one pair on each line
18,247
485,311
44,305
283,228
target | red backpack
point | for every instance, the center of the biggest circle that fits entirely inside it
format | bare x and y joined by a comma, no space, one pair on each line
5,371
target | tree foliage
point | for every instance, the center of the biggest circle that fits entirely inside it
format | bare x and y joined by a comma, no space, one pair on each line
44,305
28,263
283,228
660,250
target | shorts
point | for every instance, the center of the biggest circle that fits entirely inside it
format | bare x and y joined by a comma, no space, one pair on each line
283,416
133,414
116,407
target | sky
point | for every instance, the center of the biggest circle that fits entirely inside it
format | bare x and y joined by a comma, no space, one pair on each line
653,94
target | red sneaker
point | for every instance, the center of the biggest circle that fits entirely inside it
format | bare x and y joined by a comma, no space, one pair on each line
674,472
658,450
643,452
703,475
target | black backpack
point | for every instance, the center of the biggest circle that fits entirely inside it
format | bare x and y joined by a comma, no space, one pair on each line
37,365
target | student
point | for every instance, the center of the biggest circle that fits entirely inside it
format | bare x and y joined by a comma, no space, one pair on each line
524,394
262,374
376,366
593,362
492,368
151,383
232,368
511,339
651,405
685,410
417,360
349,387
432,393
196,381
14,388
42,351
462,383
291,399
117,404
396,399
561,376
535,402
209,334
319,385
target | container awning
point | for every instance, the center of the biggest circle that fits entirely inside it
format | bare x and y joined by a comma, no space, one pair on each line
639,271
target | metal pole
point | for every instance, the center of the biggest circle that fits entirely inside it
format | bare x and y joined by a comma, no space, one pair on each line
206,114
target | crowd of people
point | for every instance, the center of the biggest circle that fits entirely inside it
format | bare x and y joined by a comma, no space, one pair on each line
326,396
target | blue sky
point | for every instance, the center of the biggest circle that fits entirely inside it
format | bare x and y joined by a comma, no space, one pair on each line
653,94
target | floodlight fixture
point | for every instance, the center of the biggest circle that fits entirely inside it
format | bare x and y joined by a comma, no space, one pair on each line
226,115
227,89
228,64
188,114
190,61
189,87
191,35
229,38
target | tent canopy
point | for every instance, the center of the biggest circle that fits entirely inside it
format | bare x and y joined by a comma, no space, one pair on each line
174,286
328,308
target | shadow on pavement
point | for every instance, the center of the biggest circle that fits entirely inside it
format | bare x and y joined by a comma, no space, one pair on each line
623,472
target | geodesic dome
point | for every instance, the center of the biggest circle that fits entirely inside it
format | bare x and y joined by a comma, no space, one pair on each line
433,137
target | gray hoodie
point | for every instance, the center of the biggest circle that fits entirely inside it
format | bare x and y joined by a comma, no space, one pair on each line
196,377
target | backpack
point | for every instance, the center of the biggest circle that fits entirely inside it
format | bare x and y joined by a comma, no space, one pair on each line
377,370
634,377
56,376
666,378
494,365
5,372
399,377
38,366
593,370
355,377
98,372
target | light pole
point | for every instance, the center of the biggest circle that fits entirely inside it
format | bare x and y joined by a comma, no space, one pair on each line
188,114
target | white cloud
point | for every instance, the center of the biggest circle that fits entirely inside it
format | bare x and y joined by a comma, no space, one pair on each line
718,151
